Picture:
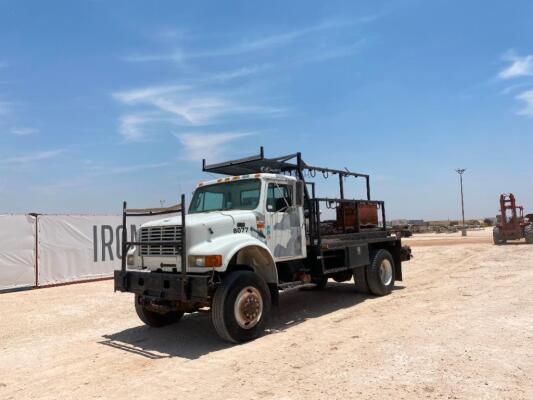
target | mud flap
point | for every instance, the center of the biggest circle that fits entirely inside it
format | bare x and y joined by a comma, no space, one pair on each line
274,294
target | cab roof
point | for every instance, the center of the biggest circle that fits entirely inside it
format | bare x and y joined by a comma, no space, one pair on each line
263,175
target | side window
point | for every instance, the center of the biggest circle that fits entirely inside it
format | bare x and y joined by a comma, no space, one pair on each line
279,198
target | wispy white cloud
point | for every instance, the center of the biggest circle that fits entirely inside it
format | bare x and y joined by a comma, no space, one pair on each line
518,66
225,76
175,56
151,94
195,111
185,105
214,145
39,156
23,131
131,127
247,46
203,111
276,40
142,94
332,52
191,107
515,87
527,99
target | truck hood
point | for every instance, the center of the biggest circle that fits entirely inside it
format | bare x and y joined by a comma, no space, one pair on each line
209,226
202,218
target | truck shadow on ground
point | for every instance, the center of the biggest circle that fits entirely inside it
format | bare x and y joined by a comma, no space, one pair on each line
194,336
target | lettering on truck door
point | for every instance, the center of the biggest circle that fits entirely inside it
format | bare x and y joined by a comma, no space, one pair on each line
283,221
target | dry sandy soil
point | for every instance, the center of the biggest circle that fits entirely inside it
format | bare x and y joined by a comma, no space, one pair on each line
459,326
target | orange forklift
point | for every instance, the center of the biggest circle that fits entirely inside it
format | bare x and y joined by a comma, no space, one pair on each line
514,226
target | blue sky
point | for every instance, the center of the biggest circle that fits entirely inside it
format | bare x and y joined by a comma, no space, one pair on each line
102,101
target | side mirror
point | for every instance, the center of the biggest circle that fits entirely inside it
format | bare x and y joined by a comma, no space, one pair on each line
299,201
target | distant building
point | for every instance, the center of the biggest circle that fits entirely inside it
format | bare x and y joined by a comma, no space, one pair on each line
398,222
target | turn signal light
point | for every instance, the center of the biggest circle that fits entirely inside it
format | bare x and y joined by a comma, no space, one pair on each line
206,261
213,261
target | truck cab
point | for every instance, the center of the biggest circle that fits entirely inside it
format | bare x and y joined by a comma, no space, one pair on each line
268,207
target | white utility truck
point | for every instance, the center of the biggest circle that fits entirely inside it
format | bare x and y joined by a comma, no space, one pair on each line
250,234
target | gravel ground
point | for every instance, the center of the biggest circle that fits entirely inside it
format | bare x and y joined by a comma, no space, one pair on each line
459,326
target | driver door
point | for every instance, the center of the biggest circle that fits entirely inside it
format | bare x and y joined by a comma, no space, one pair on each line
283,222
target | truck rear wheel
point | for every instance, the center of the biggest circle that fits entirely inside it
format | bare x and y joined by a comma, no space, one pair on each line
241,307
153,318
380,273
528,233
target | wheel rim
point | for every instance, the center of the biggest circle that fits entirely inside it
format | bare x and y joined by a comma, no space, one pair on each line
248,307
385,272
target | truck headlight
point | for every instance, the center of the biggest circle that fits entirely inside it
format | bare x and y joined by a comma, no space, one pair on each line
130,258
206,261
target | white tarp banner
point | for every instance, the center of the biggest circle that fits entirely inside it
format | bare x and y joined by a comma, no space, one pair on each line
80,247
17,251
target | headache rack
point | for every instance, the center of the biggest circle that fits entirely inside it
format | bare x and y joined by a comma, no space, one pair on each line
259,164
179,244
349,220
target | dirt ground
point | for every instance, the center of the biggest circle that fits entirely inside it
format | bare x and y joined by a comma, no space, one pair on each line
460,325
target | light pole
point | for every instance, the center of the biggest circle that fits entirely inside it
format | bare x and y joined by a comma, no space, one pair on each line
461,171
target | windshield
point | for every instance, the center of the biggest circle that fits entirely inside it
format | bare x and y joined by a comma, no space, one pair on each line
233,195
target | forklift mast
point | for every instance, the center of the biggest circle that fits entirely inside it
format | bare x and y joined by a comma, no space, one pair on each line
508,202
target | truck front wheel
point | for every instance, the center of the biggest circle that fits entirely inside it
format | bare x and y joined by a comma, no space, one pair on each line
241,307
153,318
380,273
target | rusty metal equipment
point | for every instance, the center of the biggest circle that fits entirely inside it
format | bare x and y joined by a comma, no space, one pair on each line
511,224
353,217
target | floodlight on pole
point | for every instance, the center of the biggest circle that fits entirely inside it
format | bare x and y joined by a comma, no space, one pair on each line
461,171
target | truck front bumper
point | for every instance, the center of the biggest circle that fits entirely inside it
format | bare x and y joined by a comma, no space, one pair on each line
165,285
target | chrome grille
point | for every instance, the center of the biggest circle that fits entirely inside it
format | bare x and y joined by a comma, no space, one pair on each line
170,233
